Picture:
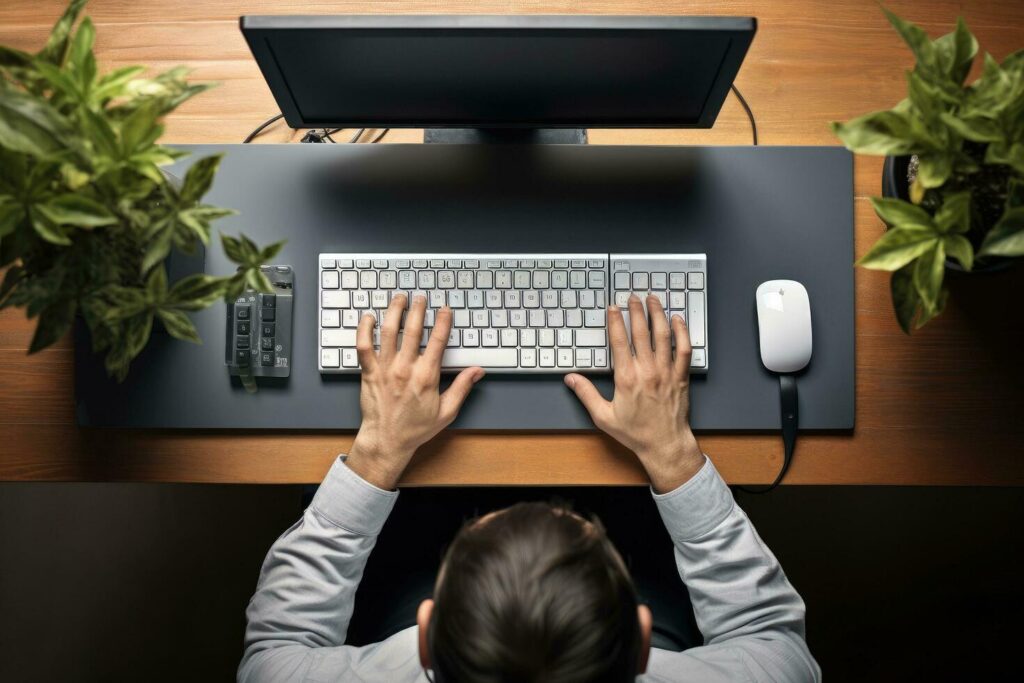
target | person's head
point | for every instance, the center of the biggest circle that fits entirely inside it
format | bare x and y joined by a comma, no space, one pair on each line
533,593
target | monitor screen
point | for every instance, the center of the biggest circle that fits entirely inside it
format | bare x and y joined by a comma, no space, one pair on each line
459,71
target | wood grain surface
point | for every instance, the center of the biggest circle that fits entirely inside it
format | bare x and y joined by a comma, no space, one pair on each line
940,407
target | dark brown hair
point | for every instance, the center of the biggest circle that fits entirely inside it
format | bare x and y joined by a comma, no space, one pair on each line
534,594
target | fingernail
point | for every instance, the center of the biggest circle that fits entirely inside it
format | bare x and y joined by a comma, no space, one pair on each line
479,375
634,297
570,381
613,309
419,297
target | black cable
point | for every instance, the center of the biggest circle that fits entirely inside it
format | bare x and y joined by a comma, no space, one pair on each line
746,107
790,417
381,136
355,138
259,129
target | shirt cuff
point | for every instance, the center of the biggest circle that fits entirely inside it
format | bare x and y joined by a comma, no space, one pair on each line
348,501
697,506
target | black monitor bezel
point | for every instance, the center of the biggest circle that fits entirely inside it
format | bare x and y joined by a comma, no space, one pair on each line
258,29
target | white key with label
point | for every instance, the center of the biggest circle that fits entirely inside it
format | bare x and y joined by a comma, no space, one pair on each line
330,358
338,337
695,317
547,358
330,318
349,358
487,358
334,299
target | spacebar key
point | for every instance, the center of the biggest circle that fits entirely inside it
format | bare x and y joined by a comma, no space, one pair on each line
487,358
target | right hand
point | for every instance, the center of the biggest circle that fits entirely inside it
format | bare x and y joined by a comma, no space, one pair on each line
649,413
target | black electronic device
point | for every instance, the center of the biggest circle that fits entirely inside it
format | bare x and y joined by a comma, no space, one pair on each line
500,77
258,338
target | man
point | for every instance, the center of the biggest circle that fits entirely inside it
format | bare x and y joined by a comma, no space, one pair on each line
534,592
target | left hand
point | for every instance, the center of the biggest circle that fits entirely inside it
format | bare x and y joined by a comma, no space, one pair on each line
401,405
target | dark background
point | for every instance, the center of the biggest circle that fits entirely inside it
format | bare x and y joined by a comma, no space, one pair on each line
128,582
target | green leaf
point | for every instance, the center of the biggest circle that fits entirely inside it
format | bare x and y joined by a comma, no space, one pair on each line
10,57
78,210
905,300
178,325
880,133
959,247
915,38
976,129
136,333
898,213
140,130
59,80
898,247
1015,193
934,169
955,52
54,323
11,214
271,251
1005,153
1007,236
81,50
47,228
100,134
114,84
928,272
199,178
156,286
56,48
30,125
197,291
955,213
159,245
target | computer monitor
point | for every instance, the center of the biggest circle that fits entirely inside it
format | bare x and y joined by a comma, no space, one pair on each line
499,72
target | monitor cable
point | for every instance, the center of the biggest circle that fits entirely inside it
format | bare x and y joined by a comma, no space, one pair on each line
314,135
790,417
746,108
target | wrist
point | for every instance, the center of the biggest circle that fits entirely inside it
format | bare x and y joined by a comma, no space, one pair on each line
672,463
376,464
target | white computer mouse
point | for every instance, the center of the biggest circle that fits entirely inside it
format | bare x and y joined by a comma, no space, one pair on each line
784,323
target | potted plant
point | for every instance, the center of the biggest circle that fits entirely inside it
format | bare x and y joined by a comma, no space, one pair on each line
87,218
953,181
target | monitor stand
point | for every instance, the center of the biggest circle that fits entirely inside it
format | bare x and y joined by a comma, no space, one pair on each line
517,136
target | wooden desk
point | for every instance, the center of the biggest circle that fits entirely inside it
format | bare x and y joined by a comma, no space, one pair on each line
941,407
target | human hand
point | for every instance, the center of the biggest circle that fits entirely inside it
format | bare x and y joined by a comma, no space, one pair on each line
401,405
649,413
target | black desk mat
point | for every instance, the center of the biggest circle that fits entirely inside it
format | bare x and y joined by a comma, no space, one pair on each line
758,212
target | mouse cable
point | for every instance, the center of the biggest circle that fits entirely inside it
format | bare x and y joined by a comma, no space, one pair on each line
790,418
313,135
746,108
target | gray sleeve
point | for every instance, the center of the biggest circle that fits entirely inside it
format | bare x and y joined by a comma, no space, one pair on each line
750,615
307,587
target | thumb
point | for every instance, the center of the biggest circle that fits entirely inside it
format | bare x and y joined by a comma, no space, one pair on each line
588,395
455,395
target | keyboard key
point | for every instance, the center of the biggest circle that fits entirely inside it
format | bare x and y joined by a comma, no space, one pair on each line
517,318
471,337
574,317
590,338
641,282
380,263
499,318
547,358
594,318
565,358
349,318
583,358
242,358
407,279
464,278
335,299
266,344
349,358
388,279
242,311
345,263
695,281
695,317
362,263
600,358
537,318
267,359
677,281
698,359
460,317
595,263
267,329
560,279
379,299
330,318
484,279
521,279
659,281
528,358
503,279
528,337
595,279
402,263
437,263
349,279
360,299
492,358
475,298
541,279
577,263
621,280
339,337
328,263
578,279
437,298
446,279
546,337
426,279
330,358
549,298
329,279
587,299
510,337
419,263
488,337
268,313
242,327
481,318
564,337
676,300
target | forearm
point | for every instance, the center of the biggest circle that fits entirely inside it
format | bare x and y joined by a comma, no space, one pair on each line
307,586
740,594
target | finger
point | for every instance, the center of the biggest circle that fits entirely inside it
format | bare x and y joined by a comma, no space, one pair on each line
413,328
660,332
638,328
455,395
621,355
438,338
590,397
681,364
389,328
364,342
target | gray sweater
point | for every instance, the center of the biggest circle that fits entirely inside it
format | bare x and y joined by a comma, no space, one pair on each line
751,617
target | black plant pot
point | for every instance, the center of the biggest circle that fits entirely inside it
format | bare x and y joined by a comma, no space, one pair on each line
895,185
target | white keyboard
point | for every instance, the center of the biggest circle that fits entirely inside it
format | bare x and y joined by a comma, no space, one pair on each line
511,313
